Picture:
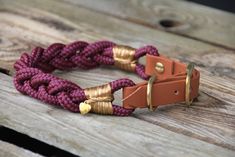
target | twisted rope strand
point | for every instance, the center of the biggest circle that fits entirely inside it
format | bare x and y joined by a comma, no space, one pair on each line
33,70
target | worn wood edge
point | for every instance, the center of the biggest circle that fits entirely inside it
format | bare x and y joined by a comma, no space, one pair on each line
10,150
92,134
192,20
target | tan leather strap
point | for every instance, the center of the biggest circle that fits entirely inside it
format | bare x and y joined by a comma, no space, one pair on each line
168,88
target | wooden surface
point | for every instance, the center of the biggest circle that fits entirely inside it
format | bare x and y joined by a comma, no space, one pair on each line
184,18
205,129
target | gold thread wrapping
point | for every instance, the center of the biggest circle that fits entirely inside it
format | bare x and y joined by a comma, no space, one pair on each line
124,57
100,98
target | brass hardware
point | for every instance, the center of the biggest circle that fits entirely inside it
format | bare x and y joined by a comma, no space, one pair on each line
99,99
159,67
149,93
124,57
189,72
84,108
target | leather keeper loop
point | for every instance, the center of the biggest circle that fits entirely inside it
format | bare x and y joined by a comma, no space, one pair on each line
100,98
124,57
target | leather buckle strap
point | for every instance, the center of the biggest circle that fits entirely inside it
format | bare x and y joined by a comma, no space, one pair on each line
188,102
175,83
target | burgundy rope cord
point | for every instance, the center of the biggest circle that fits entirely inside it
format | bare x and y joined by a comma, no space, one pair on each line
33,70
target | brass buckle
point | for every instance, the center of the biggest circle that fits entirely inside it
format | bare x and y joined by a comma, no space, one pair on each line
149,93
189,72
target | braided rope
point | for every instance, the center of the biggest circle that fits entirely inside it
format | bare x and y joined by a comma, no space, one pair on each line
33,70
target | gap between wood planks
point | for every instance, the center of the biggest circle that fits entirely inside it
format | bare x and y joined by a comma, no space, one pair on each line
11,150
4,71
21,140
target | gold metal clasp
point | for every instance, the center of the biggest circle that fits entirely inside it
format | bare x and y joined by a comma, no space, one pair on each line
189,72
84,108
149,93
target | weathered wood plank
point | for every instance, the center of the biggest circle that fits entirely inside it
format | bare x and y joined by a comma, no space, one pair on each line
39,27
9,150
209,119
207,57
94,135
180,17
84,24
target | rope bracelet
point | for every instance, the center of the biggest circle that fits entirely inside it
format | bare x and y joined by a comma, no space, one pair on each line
33,76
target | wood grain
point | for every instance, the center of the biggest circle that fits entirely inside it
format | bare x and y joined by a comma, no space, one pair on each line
64,26
90,26
94,135
26,24
180,17
9,150
209,119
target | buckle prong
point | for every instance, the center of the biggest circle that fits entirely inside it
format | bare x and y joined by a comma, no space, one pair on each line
149,93
189,71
